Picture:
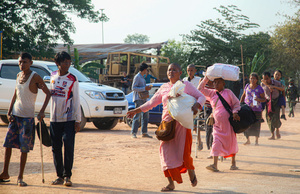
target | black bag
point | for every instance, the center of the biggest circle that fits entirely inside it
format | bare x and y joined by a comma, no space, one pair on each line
247,116
46,139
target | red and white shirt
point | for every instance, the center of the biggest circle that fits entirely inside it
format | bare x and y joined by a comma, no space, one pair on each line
65,102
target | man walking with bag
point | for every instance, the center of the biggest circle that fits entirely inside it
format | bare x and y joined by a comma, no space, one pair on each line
140,97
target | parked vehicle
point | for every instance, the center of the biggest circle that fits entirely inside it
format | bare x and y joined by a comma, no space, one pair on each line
103,105
119,62
154,114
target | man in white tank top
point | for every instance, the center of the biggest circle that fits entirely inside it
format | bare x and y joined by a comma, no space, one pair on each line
21,115
191,70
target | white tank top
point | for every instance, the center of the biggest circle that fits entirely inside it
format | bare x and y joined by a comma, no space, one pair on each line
25,99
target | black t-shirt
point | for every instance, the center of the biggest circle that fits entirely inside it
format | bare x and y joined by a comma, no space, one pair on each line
125,85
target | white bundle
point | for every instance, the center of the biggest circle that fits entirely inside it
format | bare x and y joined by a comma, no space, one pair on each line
225,71
180,108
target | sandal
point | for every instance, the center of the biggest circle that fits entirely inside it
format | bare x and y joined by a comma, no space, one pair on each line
21,183
194,181
4,180
167,188
234,168
58,181
200,146
212,168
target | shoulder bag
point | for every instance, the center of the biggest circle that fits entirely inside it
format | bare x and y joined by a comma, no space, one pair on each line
166,130
247,116
144,95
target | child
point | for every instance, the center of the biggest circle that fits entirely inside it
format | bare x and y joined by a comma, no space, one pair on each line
224,141
281,100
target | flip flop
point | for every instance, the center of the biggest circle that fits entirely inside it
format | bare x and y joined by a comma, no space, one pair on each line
4,180
21,183
212,168
164,189
234,168
194,181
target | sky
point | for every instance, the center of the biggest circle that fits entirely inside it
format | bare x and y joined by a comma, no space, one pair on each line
162,20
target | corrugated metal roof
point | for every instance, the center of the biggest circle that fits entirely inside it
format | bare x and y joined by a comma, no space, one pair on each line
91,52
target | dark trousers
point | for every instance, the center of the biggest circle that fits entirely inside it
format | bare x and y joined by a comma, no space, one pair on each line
63,133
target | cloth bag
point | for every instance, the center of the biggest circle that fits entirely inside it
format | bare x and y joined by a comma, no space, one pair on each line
225,71
46,139
180,107
166,130
247,116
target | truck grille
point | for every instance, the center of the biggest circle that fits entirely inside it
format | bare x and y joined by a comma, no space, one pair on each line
111,108
114,96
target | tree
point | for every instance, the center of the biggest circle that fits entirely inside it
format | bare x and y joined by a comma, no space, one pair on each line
36,25
177,52
286,47
220,40
136,39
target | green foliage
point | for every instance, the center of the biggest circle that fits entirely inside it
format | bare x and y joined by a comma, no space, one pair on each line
90,68
258,64
220,40
285,45
178,53
136,39
36,25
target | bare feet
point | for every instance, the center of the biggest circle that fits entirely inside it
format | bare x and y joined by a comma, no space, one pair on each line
271,138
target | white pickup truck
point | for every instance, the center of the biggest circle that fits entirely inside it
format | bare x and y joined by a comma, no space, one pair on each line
103,105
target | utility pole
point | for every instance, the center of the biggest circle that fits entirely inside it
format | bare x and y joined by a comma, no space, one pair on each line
103,18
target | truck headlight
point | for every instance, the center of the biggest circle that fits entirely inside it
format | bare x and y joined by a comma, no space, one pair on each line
95,95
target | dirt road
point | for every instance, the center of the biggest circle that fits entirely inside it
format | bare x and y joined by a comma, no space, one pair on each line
113,162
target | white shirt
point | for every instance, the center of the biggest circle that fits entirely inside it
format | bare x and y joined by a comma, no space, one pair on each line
65,102
194,81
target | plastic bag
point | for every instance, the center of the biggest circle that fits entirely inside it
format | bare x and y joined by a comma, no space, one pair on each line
225,71
180,108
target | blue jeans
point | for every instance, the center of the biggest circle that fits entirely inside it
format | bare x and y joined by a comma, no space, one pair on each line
63,133
124,90
136,119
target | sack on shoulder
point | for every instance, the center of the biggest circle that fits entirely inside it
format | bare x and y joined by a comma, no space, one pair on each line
143,95
166,130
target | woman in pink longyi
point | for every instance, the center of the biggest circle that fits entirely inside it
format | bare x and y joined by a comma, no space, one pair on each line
224,138
175,155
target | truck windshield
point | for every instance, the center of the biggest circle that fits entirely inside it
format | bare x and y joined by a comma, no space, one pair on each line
78,74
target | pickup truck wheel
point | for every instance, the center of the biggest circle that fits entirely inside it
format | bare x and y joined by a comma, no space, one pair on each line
4,119
83,121
106,123
128,121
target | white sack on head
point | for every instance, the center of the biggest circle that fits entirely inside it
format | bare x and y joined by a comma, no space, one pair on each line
180,108
225,71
